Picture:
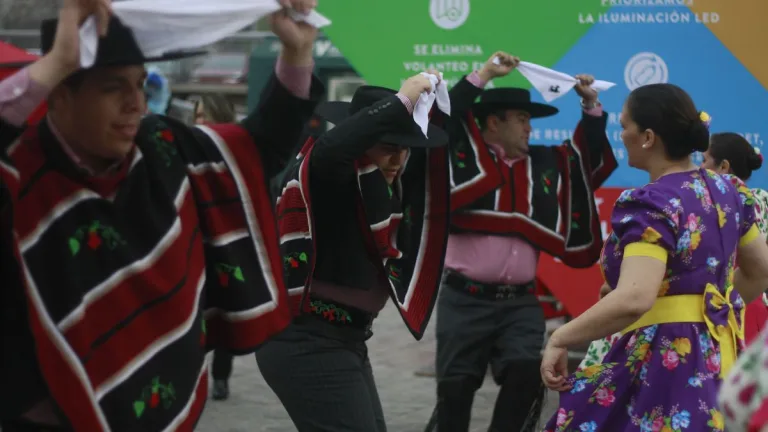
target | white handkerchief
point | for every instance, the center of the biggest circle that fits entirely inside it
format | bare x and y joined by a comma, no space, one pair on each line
439,93
551,83
162,26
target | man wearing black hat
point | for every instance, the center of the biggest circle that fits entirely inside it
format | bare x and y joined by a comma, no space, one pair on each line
132,244
510,201
363,218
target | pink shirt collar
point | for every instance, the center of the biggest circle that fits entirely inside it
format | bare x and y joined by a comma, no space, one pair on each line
502,154
73,156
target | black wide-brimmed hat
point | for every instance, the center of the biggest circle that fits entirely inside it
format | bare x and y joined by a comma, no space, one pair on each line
117,48
513,99
364,97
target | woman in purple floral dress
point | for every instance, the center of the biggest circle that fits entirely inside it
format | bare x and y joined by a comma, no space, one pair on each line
671,263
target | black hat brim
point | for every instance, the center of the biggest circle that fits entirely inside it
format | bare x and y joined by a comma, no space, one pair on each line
117,61
535,109
336,112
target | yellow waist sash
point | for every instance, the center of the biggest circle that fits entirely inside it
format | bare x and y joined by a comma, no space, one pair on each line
691,308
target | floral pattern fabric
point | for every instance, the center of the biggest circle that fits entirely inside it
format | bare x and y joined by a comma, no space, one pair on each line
666,377
761,209
599,348
744,395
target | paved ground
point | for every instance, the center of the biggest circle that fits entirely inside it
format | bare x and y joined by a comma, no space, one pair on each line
408,400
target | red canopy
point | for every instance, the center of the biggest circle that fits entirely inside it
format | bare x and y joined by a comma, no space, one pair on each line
9,54
11,60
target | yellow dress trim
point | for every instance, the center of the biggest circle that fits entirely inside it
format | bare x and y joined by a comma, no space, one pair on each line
750,235
646,249
691,308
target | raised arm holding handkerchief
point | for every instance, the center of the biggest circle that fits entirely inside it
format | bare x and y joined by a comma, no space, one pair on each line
511,200
130,243
363,218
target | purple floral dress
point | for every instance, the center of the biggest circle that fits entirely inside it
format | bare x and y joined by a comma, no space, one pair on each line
665,377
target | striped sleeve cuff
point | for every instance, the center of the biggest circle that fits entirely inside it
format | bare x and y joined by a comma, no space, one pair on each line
407,102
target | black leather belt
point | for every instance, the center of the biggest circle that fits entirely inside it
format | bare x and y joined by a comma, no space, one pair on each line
488,291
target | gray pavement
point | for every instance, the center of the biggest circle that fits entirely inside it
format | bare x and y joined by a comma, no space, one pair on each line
407,400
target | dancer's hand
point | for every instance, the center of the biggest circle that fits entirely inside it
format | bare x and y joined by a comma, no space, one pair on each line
414,86
298,38
584,88
554,366
64,57
491,70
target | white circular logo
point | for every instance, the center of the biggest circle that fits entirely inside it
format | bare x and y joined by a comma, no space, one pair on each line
645,68
449,14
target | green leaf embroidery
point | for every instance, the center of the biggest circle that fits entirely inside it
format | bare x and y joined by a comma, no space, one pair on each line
303,257
74,246
460,164
138,408
238,274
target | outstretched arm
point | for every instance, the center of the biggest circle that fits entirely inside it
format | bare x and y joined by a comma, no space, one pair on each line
289,98
464,93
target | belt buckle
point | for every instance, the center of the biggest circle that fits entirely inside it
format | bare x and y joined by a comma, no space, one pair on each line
506,292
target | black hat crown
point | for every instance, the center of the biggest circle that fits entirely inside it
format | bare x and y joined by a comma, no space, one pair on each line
511,98
367,95
365,98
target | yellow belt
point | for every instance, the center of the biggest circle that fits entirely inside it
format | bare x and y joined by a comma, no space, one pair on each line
690,308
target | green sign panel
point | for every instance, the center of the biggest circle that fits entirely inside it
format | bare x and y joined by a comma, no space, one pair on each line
388,41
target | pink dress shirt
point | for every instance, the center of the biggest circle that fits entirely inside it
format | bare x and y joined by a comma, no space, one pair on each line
494,259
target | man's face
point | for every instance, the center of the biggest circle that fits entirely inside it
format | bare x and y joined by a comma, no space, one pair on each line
100,117
513,132
389,158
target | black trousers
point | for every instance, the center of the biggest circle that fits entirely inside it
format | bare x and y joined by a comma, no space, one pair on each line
323,377
222,365
474,331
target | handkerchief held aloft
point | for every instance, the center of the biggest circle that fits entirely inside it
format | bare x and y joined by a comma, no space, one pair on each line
163,26
551,83
439,93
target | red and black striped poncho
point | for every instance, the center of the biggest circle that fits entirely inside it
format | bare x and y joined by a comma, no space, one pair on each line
128,281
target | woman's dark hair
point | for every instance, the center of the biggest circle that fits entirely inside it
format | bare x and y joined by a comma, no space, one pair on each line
670,113
737,151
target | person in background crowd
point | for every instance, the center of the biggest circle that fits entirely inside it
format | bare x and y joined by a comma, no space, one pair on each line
511,200
730,153
131,243
671,261
158,91
213,109
363,218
